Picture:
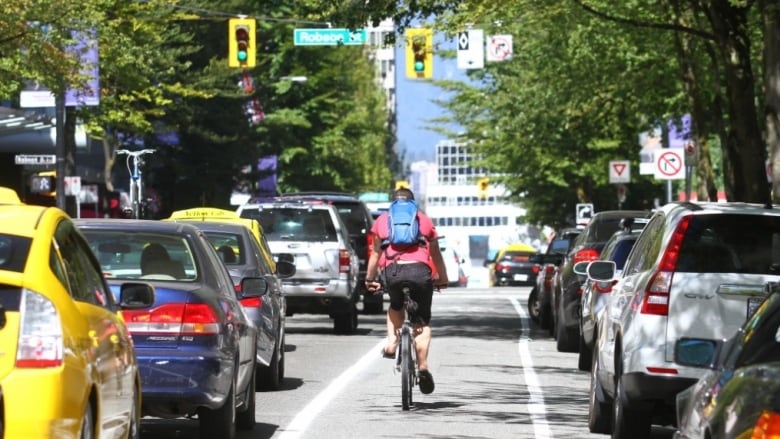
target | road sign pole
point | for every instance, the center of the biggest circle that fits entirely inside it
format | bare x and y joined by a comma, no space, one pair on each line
59,146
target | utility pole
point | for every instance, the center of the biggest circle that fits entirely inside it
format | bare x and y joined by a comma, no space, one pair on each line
59,146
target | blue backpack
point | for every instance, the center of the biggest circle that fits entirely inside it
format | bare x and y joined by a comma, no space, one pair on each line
403,225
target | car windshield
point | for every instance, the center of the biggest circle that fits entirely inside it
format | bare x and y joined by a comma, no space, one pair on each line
142,255
292,224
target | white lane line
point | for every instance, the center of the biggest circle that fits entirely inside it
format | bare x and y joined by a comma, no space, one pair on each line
536,407
302,420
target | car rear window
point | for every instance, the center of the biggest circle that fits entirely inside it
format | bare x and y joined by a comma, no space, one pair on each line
291,224
517,256
353,217
13,252
731,243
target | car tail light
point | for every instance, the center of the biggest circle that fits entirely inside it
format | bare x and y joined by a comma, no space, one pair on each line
549,270
344,261
501,267
252,302
767,426
369,245
536,268
40,333
586,254
173,318
656,298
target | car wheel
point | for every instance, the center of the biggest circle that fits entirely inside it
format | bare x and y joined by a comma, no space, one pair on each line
88,422
599,413
245,418
134,426
545,317
220,422
585,356
268,376
534,310
627,423
345,322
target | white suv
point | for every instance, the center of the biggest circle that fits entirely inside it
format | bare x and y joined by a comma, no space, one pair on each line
696,270
326,264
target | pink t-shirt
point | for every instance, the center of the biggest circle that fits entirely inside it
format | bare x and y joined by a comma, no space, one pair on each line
420,253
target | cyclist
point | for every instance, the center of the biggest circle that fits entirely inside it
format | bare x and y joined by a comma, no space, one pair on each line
421,267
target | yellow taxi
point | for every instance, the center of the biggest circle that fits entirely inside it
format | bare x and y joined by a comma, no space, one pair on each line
67,362
227,216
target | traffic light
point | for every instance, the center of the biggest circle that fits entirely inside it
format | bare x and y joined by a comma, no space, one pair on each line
483,186
43,183
419,53
241,34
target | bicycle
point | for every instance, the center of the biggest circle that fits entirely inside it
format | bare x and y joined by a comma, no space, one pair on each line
136,183
406,353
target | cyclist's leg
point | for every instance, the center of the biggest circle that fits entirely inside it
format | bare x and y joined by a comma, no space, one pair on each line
422,293
395,313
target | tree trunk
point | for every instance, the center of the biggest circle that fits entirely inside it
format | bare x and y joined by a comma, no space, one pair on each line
771,14
745,148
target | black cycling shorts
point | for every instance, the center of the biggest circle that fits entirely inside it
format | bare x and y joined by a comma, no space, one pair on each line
418,277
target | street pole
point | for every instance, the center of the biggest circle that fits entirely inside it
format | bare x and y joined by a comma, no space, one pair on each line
59,146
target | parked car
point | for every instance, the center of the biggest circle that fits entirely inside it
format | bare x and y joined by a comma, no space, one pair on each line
358,219
739,394
697,270
196,347
242,255
567,285
512,265
454,263
540,298
326,264
59,323
595,294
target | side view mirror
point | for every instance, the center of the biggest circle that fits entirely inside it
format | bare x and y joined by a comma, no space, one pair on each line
285,269
253,287
601,270
696,352
136,295
581,268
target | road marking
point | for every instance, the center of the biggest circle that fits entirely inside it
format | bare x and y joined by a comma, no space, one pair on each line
302,420
536,408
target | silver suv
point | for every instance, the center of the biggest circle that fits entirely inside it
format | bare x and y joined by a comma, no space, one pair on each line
697,270
326,265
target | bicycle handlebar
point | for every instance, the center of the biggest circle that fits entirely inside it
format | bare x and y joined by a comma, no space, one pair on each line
135,153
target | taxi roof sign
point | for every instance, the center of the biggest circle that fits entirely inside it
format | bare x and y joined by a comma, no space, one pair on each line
204,213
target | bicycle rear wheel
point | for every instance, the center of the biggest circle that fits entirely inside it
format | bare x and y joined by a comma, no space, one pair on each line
407,375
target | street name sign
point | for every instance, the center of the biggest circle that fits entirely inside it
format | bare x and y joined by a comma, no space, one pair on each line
35,159
329,37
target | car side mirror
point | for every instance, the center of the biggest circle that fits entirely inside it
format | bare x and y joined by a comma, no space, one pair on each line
285,269
601,270
581,268
696,352
253,287
136,295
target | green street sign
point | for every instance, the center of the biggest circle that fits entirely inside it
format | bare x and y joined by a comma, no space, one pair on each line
329,37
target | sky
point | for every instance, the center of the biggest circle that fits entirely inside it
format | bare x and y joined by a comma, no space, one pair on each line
415,103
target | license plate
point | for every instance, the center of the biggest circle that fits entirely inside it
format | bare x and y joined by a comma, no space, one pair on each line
752,305
521,277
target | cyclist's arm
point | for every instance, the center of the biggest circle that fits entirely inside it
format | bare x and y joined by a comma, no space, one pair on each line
441,280
372,267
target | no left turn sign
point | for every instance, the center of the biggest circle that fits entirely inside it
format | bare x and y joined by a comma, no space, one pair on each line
669,163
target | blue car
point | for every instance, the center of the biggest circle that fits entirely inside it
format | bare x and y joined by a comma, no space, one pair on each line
196,347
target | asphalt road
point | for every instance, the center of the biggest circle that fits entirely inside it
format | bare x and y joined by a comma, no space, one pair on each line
496,377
